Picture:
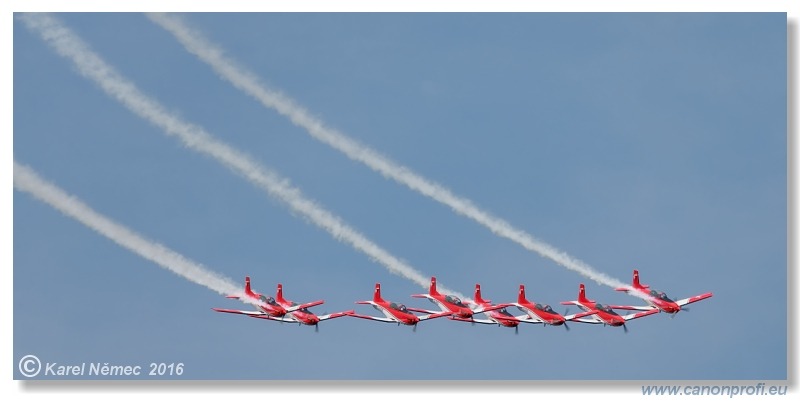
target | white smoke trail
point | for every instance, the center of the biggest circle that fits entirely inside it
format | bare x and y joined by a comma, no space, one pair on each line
25,179
248,82
90,65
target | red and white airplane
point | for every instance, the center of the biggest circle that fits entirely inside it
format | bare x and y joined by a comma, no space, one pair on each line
596,313
451,303
280,310
499,316
301,315
394,312
657,299
542,313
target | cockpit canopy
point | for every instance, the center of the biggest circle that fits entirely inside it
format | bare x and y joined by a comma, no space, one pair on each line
504,312
304,309
605,308
268,299
455,300
660,295
400,307
546,308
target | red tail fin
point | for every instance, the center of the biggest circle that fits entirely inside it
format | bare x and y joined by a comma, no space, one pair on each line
636,283
432,291
279,294
478,298
582,294
247,289
521,298
377,297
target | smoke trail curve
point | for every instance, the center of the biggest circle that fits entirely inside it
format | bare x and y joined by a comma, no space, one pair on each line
27,180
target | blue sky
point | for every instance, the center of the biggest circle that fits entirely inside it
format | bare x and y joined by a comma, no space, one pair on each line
649,141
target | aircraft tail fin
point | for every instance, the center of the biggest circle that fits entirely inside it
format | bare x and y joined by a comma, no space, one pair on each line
279,294
636,284
478,297
247,290
377,297
582,295
432,291
521,297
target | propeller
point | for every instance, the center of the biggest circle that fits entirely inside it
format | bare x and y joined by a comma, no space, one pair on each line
625,327
516,330
415,327
566,313
316,327
686,309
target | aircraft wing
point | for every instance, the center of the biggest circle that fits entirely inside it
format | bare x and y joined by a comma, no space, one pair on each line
420,310
369,317
689,300
492,308
579,316
243,312
527,318
335,315
519,318
474,320
306,305
640,308
588,319
436,315
286,318
639,315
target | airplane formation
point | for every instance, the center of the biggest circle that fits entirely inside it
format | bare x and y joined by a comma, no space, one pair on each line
452,307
